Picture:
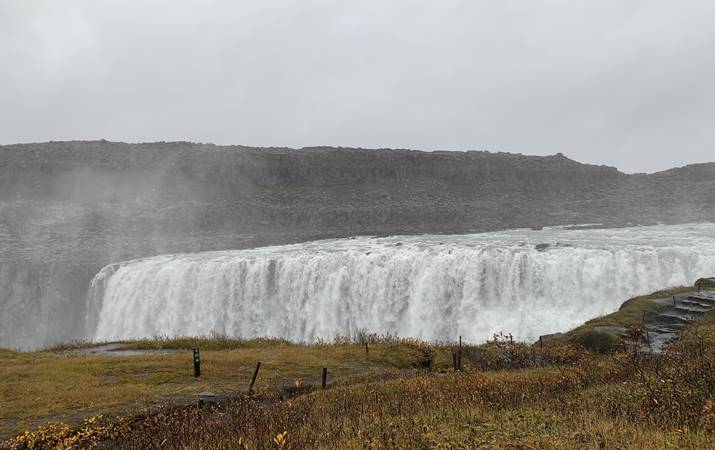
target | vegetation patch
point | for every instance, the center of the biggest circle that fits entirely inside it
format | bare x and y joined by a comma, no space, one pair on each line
212,342
705,283
621,400
120,385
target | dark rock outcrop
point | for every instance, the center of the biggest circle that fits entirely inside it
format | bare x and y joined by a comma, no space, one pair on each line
69,208
705,283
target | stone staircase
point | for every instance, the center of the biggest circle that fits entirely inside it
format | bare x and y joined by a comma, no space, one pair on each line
678,312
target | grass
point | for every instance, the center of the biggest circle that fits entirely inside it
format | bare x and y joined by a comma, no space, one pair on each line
213,342
401,394
210,342
599,401
41,386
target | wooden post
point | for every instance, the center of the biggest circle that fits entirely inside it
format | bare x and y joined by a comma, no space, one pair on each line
454,360
325,377
197,363
674,300
255,374
541,342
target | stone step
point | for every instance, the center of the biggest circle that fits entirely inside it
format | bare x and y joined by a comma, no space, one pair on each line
705,306
669,318
707,298
665,329
692,310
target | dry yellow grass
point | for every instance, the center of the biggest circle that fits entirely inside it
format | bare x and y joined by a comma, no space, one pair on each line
602,401
511,395
36,387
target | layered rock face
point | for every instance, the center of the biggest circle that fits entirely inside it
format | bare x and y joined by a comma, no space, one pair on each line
67,209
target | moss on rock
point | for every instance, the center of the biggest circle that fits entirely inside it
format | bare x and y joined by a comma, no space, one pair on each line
705,283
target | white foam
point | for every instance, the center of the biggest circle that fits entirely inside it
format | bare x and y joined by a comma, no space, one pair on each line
429,287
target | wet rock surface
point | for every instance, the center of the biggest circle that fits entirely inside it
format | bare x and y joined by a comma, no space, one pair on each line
681,311
118,349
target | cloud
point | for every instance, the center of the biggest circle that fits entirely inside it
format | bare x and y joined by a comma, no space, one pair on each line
609,82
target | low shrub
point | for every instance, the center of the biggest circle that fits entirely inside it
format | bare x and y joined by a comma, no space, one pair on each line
597,341
502,353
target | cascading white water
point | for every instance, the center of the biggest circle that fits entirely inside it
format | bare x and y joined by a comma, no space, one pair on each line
432,287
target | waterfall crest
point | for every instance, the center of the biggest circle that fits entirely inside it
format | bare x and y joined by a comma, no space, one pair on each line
432,287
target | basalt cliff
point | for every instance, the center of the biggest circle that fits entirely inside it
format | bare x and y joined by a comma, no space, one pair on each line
69,208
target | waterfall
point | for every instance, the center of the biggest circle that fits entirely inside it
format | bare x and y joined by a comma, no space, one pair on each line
432,287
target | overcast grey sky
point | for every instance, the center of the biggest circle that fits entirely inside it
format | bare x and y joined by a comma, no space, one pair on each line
627,83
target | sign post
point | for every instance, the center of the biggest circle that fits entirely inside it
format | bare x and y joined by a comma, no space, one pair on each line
197,363
255,374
